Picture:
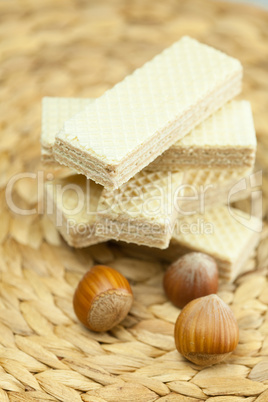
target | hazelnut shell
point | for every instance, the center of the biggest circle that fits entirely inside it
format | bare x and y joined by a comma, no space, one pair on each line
206,331
102,298
192,276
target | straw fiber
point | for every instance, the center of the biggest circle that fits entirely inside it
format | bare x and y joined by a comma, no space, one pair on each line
80,49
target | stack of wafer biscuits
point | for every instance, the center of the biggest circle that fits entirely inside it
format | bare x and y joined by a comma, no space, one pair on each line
165,149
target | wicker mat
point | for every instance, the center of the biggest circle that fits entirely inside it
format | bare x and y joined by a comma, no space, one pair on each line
81,48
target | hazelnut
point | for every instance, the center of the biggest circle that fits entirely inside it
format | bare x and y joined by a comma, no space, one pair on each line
102,298
206,331
191,276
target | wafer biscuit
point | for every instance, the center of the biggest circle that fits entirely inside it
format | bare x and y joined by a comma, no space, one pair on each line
54,113
203,188
216,233
80,230
71,206
130,125
230,242
141,211
226,139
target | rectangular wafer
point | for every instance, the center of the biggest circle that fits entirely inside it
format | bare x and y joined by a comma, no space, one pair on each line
121,215
141,211
130,125
203,188
217,233
230,242
226,139
55,111
71,205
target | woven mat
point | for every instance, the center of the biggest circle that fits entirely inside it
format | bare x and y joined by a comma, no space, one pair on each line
81,48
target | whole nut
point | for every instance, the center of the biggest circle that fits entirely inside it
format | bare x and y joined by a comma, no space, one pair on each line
191,276
102,298
206,331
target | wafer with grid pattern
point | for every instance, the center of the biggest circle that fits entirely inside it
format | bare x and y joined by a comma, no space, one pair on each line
125,129
71,205
55,111
141,211
226,139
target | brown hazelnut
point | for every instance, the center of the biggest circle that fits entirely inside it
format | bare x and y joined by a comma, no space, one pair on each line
191,276
206,331
102,298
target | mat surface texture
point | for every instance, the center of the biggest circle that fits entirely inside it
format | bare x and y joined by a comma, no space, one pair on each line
79,49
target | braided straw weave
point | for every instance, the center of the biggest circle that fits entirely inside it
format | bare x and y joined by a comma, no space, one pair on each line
81,48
